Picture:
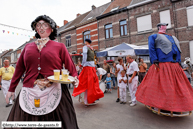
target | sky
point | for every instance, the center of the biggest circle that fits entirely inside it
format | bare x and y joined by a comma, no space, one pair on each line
20,14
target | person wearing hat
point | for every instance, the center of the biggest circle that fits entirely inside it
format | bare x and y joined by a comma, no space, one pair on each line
39,99
88,80
165,86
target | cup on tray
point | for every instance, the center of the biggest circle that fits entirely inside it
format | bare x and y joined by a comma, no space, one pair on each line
65,74
56,74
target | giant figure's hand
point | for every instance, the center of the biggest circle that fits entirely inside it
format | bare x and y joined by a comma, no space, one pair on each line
156,62
9,95
76,82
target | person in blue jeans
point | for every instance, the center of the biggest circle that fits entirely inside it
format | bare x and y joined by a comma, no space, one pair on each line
113,74
108,81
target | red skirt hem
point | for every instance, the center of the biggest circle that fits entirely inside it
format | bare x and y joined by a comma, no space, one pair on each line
166,88
88,80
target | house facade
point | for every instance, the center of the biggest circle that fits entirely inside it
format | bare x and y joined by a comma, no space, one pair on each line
131,21
5,55
17,52
145,15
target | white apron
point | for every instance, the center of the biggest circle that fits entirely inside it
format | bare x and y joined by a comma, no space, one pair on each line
35,101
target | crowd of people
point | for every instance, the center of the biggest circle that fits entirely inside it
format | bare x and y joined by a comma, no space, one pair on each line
121,76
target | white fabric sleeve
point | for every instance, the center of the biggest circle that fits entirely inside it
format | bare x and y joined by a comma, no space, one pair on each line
104,71
99,71
85,50
135,67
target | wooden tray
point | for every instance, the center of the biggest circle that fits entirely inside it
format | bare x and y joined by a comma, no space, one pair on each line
71,79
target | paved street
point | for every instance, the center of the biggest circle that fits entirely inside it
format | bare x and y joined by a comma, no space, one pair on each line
108,114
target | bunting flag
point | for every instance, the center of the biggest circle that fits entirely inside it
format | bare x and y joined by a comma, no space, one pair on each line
16,33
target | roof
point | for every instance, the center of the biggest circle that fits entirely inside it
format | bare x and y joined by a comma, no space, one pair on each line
63,27
111,13
6,52
77,20
117,3
73,23
136,2
95,12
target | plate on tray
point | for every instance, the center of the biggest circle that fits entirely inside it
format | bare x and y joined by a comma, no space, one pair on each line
70,79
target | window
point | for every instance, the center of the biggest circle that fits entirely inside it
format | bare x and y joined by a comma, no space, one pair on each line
144,23
109,58
191,52
108,31
190,15
86,35
68,41
18,55
89,18
123,27
165,17
114,8
12,57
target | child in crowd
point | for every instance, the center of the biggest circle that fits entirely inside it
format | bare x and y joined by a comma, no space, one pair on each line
122,87
108,80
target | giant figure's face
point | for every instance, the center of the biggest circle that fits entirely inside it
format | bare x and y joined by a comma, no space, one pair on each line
43,29
162,29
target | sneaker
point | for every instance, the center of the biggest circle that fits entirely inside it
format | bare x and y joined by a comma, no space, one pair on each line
121,102
117,100
124,102
0,88
132,104
8,105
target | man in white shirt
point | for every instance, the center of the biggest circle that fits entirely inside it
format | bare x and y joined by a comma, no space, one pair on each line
101,73
132,78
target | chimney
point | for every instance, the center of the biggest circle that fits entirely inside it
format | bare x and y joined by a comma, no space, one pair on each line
65,22
78,14
93,7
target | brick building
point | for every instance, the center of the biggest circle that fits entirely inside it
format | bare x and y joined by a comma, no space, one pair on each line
113,25
132,21
67,33
84,26
144,16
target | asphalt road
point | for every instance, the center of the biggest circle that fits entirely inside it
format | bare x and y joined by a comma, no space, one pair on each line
108,114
